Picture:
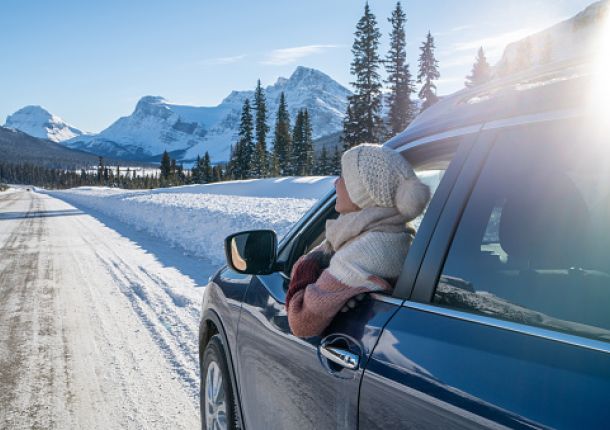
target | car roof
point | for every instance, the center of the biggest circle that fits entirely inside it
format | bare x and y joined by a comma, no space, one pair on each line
543,92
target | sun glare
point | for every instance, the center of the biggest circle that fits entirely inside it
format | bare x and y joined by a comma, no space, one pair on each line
599,93
601,65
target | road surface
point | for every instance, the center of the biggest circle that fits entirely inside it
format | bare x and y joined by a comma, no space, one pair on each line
95,332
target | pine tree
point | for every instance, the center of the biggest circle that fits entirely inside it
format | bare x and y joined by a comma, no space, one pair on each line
302,145
100,169
481,71
173,172
363,122
236,172
165,165
307,144
297,155
322,162
282,139
180,176
196,171
428,72
261,158
399,77
244,148
206,169
335,165
232,162
200,170
350,134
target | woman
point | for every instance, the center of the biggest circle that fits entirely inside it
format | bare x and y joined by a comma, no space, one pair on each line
365,247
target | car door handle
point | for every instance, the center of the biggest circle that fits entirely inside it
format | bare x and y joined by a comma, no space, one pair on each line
340,356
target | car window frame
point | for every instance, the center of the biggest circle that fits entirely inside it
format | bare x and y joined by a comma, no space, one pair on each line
418,249
449,219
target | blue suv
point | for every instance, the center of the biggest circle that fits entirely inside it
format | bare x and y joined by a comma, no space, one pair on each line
501,316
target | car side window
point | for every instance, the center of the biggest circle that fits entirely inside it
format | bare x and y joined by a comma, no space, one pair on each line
533,240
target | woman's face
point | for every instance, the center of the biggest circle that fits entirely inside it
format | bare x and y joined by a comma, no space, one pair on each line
343,204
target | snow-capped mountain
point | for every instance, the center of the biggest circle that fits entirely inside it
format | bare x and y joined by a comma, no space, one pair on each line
579,37
38,122
187,131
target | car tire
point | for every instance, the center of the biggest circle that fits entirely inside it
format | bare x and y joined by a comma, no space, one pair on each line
217,400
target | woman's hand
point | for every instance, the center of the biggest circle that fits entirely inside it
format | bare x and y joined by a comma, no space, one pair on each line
351,303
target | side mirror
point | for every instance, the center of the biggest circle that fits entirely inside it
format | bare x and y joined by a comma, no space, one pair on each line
252,252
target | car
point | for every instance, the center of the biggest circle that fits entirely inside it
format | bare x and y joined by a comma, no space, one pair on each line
501,315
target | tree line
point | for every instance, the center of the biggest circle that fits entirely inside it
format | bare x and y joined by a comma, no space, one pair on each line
56,178
363,120
292,151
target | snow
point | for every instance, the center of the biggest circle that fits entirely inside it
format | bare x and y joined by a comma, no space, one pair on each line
197,218
38,122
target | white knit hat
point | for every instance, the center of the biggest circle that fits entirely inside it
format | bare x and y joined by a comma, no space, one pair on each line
379,176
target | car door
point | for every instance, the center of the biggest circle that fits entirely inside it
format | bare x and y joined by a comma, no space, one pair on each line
287,382
506,323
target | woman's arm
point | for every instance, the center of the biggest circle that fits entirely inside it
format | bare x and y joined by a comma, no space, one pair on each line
360,267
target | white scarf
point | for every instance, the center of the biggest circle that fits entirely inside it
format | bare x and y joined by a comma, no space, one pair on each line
351,225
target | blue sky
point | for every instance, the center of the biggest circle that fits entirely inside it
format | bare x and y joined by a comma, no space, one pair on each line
89,62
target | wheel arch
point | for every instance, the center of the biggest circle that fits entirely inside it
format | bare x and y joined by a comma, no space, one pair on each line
209,326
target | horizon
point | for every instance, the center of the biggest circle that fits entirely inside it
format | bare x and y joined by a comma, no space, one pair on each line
91,101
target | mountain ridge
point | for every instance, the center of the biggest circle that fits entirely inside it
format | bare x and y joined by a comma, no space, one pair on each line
157,125
18,147
38,122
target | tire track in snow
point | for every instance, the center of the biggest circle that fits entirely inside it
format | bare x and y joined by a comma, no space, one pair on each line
154,302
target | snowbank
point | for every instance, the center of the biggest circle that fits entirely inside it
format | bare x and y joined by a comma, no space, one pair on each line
197,218
8,190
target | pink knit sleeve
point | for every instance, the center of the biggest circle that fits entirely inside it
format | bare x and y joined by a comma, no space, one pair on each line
312,309
364,265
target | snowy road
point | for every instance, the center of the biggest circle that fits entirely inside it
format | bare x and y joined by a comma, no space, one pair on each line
96,330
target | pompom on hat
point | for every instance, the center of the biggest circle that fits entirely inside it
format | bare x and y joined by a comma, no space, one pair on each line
379,176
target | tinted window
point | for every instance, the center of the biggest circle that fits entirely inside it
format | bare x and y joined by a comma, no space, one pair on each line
532,244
